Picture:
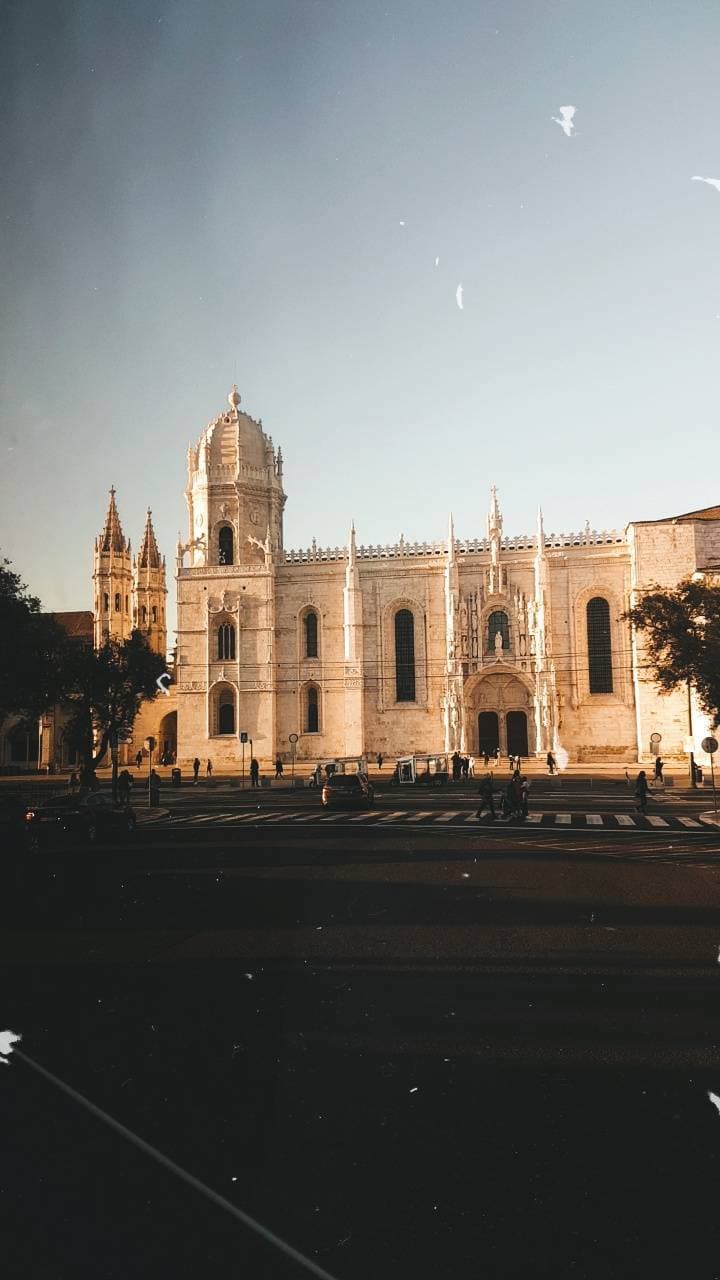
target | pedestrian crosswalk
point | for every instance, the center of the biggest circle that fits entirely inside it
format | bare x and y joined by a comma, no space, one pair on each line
446,818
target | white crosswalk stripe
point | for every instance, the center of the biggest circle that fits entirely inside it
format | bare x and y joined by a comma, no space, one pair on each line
563,819
534,818
448,816
624,820
285,817
689,822
391,817
424,813
363,817
428,817
594,819
654,821
332,817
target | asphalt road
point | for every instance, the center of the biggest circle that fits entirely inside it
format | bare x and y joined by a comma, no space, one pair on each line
407,1048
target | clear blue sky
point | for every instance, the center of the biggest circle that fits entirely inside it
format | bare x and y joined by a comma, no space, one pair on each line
202,193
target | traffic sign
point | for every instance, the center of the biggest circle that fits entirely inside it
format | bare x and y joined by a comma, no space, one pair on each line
243,737
150,744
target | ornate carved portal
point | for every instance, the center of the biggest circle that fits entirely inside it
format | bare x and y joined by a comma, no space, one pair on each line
499,711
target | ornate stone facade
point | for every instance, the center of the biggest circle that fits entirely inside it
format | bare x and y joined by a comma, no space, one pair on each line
511,641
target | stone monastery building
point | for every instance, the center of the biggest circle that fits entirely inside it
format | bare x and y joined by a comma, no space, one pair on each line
461,643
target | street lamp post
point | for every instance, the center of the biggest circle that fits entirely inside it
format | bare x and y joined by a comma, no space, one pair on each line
693,779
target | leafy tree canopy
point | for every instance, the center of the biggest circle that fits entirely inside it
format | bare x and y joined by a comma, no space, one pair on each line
681,634
31,648
104,689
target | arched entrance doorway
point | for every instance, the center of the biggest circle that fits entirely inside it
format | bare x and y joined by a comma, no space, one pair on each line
488,733
517,733
167,738
499,712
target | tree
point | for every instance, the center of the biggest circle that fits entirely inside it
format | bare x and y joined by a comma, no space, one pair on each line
31,649
681,629
104,689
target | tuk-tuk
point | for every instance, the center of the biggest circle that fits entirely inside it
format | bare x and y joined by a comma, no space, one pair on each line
340,764
419,771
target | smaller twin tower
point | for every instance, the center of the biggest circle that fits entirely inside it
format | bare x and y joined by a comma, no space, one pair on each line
128,593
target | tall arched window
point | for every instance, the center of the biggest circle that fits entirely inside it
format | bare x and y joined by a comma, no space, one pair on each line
225,545
154,613
117,601
404,656
226,642
498,621
599,646
310,629
226,712
106,602
312,709
143,615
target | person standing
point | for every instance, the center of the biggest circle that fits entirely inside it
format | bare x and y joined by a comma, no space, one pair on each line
379,759
465,766
278,767
208,768
254,773
487,797
456,765
641,791
471,767
196,770
138,759
659,766
551,765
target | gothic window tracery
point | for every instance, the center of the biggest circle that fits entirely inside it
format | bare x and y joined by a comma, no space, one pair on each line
226,642
599,645
404,656
117,601
224,710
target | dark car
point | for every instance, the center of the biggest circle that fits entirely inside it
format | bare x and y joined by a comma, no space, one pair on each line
84,819
16,829
343,790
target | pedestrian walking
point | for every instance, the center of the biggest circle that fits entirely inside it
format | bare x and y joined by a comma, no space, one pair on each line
379,759
208,769
641,791
551,765
138,759
659,766
254,773
487,797
471,767
524,795
456,766
196,770
124,785
486,758
278,767
465,767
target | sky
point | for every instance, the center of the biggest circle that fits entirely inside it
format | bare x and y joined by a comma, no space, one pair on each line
204,192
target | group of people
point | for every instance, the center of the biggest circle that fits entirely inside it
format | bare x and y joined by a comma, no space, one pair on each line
463,767
514,799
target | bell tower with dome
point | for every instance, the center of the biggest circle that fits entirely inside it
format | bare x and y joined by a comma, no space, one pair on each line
234,494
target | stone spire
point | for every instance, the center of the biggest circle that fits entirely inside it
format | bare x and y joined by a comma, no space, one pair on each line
540,533
352,549
451,540
494,531
149,590
112,580
112,537
149,557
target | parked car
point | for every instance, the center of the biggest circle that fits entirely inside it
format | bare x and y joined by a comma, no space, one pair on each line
87,819
16,830
343,790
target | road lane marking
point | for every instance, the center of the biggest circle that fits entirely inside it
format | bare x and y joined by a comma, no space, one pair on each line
363,817
563,819
391,817
689,822
593,819
624,820
424,813
332,817
448,815
655,821
534,817
282,817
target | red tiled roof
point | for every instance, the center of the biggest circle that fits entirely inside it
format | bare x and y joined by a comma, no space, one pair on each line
78,624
